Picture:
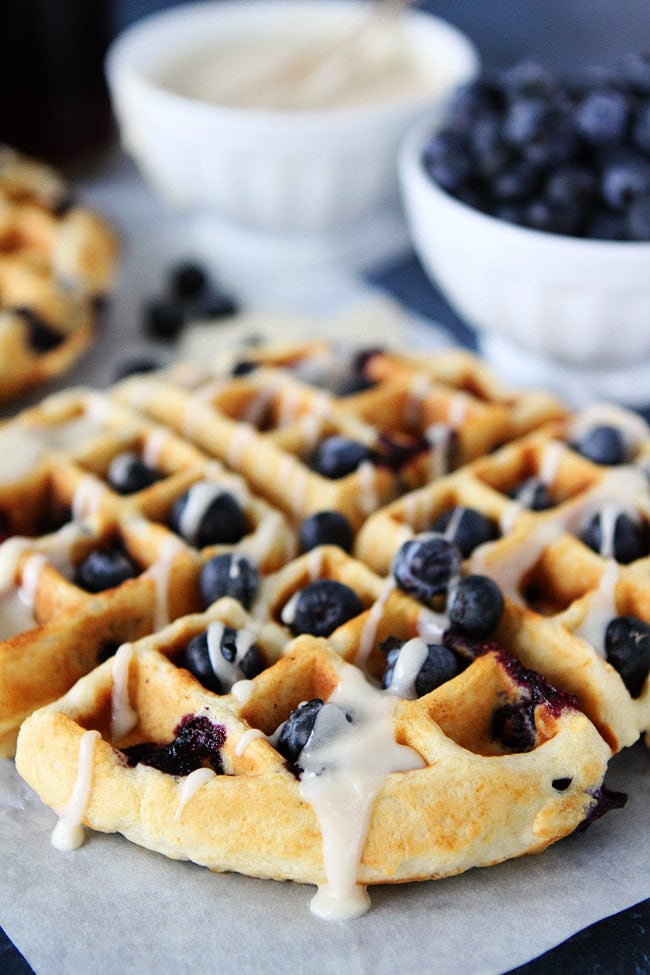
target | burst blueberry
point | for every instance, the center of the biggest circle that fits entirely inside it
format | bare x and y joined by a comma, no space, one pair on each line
231,575
104,569
627,648
513,726
471,528
197,744
128,473
533,493
475,605
424,566
321,607
325,528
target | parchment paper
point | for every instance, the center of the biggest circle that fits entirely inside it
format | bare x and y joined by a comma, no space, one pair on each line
115,909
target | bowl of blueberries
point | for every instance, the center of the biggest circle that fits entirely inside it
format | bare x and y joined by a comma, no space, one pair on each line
530,209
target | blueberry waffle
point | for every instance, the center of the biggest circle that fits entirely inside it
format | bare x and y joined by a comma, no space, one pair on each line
317,776
560,519
56,263
107,522
304,638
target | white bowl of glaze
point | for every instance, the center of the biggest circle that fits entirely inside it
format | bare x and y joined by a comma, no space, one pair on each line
266,171
565,311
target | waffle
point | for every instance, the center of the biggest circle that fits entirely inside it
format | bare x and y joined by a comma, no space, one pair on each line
56,263
203,671
560,593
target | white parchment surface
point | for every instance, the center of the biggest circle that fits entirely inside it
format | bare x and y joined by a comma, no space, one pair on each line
116,909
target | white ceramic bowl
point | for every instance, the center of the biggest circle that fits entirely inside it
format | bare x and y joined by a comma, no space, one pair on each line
571,312
274,172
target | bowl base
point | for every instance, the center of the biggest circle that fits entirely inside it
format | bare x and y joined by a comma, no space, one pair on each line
577,385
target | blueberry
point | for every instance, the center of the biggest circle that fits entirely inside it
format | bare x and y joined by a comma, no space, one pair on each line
450,173
105,569
471,528
638,219
517,181
197,744
602,445
198,659
472,101
513,725
216,517
321,607
187,280
476,605
527,120
337,456
425,565
602,117
218,305
571,184
605,224
163,319
627,648
635,68
325,528
625,180
42,337
232,575
136,366
641,129
490,153
528,79
295,731
629,542
440,665
533,493
128,473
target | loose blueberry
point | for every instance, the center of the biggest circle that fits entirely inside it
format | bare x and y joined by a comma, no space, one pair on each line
197,744
296,730
187,280
337,456
133,367
42,337
163,319
533,494
471,528
629,541
627,648
198,660
440,665
321,607
230,574
476,605
325,528
624,181
603,445
636,71
425,565
222,521
104,569
638,219
128,473
513,725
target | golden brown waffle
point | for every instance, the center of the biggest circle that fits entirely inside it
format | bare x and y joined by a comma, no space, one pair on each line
57,508
491,744
56,264
560,593
398,771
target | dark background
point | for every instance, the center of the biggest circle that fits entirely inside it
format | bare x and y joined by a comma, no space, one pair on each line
53,100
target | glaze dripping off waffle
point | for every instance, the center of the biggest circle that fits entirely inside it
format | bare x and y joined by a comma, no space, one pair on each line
380,611
56,264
